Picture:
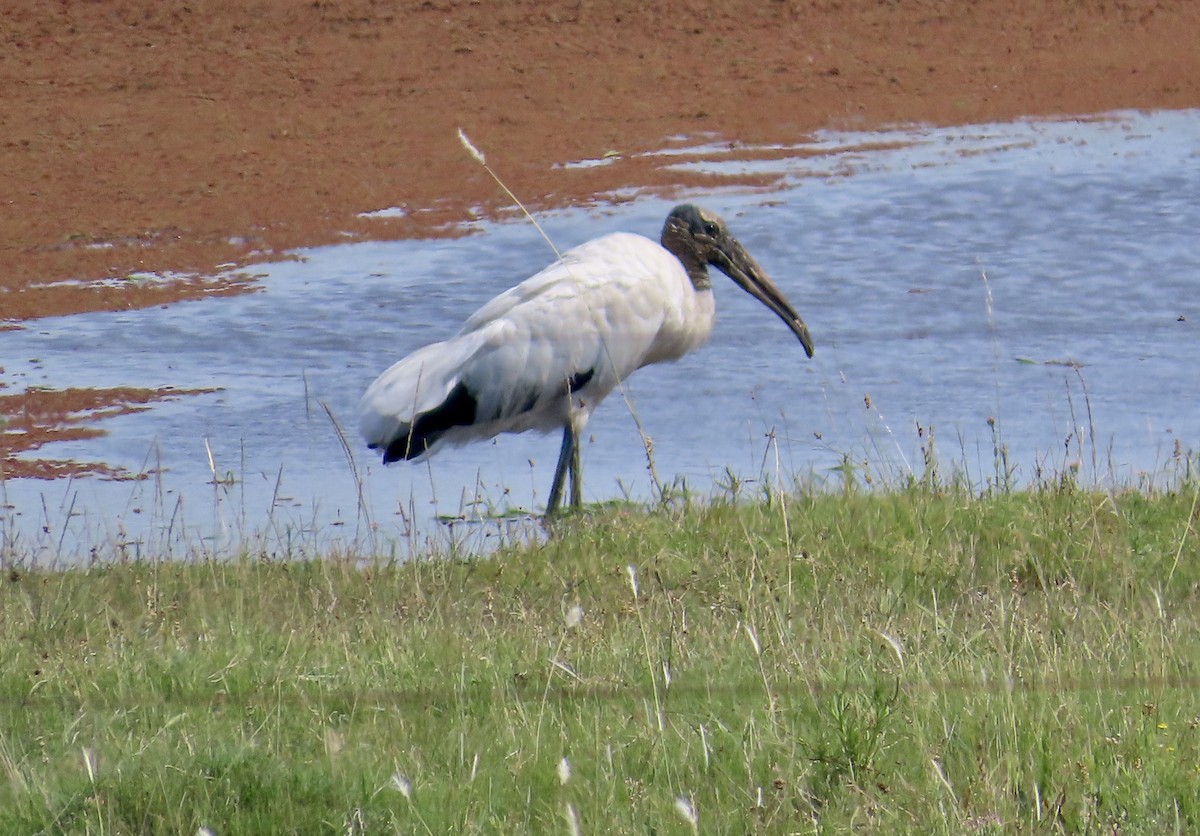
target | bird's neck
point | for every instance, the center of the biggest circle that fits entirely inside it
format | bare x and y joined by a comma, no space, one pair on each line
695,266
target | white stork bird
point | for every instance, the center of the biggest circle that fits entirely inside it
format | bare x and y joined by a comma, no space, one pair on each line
544,354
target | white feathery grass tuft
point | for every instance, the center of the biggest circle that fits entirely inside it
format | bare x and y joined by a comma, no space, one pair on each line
753,638
202,830
686,808
574,616
572,820
564,770
658,712
212,465
941,776
89,763
894,644
470,146
402,785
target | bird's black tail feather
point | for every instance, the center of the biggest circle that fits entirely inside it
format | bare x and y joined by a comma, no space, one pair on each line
458,410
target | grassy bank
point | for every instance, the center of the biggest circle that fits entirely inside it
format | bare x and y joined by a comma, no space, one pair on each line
901,661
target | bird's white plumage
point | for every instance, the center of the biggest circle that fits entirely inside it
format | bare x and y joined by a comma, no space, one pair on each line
607,308
544,354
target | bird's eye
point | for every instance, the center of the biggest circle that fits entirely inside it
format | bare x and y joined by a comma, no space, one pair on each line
711,229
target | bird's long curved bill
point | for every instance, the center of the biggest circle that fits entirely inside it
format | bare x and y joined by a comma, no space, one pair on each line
740,266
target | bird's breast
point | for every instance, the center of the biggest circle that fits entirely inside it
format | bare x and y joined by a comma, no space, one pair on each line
686,326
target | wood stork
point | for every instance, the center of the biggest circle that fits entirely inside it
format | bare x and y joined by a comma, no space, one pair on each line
544,354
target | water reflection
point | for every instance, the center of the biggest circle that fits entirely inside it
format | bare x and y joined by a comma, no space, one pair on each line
1032,284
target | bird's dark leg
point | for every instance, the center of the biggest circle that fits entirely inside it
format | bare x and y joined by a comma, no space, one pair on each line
568,457
576,468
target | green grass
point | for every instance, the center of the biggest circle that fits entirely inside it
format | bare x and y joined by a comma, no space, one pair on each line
906,660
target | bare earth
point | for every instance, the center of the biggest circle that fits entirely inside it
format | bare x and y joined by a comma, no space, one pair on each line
141,136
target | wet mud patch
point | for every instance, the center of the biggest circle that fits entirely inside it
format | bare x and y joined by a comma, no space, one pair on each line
31,419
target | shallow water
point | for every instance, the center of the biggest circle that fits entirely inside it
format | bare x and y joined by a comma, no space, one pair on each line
1033,282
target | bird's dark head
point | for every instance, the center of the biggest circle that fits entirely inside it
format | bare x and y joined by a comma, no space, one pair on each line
698,238
694,235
